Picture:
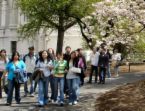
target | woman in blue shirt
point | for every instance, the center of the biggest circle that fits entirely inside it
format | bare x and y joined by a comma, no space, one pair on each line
14,65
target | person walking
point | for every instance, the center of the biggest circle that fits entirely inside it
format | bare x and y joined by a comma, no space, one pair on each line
116,58
3,61
82,64
66,56
30,60
103,63
60,67
45,65
73,79
94,64
13,67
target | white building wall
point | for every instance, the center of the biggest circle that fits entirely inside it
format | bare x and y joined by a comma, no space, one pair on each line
11,18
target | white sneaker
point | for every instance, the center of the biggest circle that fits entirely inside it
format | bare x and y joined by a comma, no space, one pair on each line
75,102
31,95
70,104
55,102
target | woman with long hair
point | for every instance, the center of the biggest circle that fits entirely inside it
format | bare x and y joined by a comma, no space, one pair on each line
3,62
44,64
12,68
73,79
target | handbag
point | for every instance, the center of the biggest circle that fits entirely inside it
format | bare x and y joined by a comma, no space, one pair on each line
75,70
21,77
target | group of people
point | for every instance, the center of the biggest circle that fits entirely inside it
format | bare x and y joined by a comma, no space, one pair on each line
64,73
101,62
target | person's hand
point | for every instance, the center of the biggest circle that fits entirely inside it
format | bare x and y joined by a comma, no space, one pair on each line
50,67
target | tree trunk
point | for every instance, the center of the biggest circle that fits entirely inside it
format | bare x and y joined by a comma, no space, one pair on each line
60,39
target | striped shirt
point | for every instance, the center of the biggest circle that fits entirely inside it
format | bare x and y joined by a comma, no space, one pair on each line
59,68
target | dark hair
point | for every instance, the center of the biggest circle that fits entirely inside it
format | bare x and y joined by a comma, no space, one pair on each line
97,48
13,55
3,50
67,47
41,58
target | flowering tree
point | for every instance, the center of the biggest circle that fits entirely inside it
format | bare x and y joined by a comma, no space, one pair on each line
119,22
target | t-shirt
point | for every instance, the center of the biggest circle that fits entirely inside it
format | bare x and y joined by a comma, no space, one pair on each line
59,68
70,74
11,68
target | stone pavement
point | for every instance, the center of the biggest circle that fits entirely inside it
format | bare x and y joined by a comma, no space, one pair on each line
88,96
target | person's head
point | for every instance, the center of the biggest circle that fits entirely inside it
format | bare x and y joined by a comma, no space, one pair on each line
73,54
51,51
59,56
102,51
31,50
15,56
3,53
98,49
43,55
68,49
80,51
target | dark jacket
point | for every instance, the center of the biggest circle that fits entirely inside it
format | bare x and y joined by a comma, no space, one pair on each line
37,75
103,60
66,57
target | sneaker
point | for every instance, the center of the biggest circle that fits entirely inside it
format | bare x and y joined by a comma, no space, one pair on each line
55,102
8,104
18,102
52,101
70,104
75,102
31,95
61,103
25,95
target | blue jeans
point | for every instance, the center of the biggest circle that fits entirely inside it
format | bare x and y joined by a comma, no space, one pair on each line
43,91
52,87
59,81
73,85
29,75
11,85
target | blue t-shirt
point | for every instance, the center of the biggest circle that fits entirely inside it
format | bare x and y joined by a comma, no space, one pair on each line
11,68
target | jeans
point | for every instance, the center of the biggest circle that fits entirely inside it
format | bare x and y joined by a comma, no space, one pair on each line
59,81
73,85
52,87
29,75
43,91
96,73
108,71
11,85
116,70
102,74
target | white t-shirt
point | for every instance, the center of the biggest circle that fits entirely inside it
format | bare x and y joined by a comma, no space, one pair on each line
95,58
70,74
116,57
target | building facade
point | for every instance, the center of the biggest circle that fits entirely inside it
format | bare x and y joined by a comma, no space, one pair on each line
11,18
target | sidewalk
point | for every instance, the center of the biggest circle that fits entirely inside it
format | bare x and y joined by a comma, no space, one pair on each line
89,93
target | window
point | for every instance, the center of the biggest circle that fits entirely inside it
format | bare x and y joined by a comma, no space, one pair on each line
13,46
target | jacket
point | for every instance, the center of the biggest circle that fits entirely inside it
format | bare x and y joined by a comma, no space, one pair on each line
37,75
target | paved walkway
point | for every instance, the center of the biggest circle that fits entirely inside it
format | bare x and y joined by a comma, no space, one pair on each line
89,93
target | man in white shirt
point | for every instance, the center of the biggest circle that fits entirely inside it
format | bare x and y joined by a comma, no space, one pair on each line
30,61
94,64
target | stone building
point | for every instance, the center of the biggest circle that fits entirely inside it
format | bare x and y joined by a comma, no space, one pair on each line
11,18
